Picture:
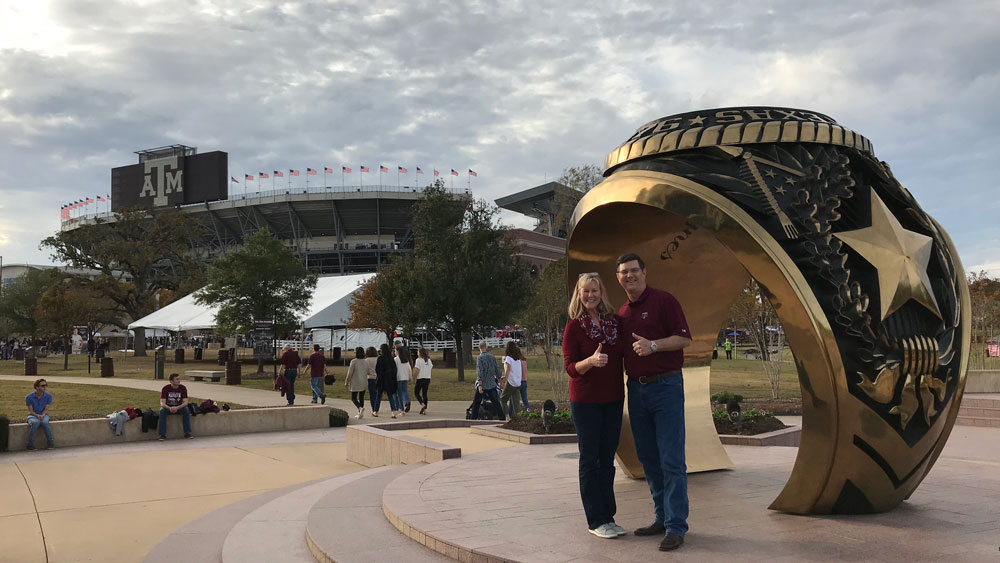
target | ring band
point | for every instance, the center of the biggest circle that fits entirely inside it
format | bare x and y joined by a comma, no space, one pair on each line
868,288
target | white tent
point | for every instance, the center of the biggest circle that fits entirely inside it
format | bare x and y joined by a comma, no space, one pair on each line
348,339
328,308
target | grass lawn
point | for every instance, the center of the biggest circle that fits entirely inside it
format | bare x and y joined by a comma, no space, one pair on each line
742,376
79,401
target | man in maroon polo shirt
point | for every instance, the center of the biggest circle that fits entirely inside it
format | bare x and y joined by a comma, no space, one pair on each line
655,321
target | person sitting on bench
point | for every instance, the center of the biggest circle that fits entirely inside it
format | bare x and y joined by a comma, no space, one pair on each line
174,400
38,404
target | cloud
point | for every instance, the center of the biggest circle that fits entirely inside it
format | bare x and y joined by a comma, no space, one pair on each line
517,90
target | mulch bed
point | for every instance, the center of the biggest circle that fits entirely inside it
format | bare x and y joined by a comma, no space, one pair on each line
789,407
535,426
750,428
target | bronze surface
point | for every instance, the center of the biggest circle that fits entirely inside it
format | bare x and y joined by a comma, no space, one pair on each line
869,289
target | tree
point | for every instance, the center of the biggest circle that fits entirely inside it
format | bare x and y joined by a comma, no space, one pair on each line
261,279
19,305
465,271
984,293
581,179
134,257
67,303
754,313
379,303
546,314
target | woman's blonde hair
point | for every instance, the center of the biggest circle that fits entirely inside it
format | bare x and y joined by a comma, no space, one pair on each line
576,306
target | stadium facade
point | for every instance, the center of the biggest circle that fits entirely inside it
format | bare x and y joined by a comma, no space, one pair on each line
333,229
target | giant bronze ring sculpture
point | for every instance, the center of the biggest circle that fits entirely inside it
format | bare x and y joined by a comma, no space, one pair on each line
868,287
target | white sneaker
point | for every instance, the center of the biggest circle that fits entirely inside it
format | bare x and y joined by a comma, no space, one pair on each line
604,531
361,413
618,529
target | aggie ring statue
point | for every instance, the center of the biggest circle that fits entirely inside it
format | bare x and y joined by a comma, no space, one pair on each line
868,287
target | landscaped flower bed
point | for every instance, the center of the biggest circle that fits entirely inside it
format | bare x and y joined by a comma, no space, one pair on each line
562,423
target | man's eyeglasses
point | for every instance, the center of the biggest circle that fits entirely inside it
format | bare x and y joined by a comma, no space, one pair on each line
43,385
632,271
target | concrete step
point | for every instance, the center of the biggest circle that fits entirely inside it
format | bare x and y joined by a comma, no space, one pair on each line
275,530
201,541
975,402
979,412
977,421
348,525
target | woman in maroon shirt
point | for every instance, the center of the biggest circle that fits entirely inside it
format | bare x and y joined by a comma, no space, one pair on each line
592,350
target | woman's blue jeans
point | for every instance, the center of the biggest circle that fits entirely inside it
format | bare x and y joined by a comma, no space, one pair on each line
402,394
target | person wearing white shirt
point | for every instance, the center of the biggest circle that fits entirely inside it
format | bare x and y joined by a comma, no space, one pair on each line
403,375
422,371
510,398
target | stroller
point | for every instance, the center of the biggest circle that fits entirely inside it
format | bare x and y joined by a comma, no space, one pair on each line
486,409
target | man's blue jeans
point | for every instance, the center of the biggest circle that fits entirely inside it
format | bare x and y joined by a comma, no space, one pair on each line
317,388
402,394
185,420
656,414
33,423
598,426
290,375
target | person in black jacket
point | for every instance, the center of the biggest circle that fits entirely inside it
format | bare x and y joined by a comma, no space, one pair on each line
385,377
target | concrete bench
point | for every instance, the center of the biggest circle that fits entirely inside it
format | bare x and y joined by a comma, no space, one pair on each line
202,375
97,431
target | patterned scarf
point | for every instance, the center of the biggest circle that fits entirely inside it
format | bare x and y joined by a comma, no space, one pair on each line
604,333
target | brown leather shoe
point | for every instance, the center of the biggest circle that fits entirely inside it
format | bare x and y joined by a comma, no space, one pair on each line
654,529
671,542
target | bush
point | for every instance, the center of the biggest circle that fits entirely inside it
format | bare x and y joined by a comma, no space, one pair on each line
4,432
748,415
556,416
338,418
724,398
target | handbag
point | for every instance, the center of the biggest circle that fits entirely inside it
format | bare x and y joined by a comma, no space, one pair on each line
329,379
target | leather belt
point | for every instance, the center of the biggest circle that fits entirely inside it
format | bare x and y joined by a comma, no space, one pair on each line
644,379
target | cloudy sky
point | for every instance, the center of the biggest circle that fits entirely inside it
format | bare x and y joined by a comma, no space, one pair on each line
516,91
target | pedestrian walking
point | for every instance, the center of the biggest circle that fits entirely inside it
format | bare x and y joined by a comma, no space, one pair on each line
357,380
422,371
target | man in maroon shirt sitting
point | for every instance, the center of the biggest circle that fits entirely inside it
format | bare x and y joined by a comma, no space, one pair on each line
290,362
655,321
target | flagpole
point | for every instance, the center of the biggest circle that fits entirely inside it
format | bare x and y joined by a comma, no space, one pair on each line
343,186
